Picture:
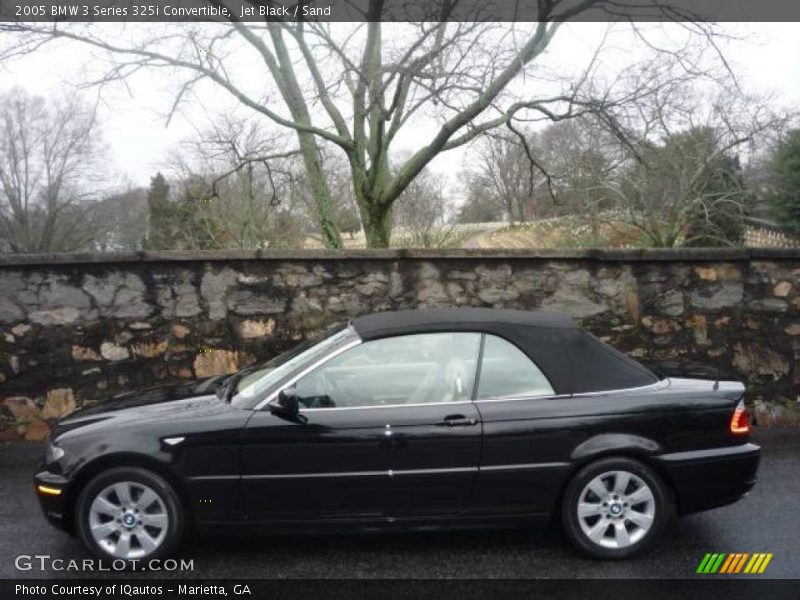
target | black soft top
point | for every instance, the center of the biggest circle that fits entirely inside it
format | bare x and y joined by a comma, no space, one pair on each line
400,322
572,359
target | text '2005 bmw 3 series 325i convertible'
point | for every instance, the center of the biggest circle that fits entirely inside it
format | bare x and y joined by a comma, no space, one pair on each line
412,419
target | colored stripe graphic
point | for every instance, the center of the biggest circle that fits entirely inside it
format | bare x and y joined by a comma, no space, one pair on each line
741,562
703,563
720,562
717,564
711,563
752,563
728,562
764,564
757,566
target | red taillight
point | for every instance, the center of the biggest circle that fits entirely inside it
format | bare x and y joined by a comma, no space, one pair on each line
740,422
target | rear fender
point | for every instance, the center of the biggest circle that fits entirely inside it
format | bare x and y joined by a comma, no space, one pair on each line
611,443
608,444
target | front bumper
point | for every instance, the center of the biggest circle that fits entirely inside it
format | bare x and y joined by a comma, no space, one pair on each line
51,489
704,479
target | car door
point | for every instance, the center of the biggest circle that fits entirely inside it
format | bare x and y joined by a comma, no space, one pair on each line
387,429
525,443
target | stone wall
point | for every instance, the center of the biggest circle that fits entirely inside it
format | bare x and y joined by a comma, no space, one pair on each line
77,329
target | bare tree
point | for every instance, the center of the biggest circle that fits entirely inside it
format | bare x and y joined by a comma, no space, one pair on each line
235,179
578,157
355,87
422,212
49,162
479,205
120,221
539,174
680,181
503,175
337,177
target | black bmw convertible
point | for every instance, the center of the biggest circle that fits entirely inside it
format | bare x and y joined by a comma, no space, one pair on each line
409,419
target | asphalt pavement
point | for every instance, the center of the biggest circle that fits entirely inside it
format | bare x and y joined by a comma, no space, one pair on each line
767,520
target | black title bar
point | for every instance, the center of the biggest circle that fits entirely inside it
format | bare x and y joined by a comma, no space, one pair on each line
397,10
419,589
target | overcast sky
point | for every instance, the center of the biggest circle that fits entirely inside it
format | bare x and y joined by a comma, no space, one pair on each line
133,118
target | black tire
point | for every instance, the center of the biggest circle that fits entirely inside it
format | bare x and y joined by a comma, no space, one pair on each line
172,506
662,510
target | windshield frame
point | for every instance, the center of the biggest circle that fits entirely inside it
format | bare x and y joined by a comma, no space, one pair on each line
305,355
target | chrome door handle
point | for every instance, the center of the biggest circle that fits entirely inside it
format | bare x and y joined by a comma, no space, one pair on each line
458,421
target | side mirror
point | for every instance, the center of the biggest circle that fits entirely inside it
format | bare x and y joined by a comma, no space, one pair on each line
287,406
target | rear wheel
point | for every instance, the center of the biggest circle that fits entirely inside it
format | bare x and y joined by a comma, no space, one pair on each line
129,514
615,508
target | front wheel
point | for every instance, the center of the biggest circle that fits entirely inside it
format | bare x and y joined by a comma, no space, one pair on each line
615,508
130,514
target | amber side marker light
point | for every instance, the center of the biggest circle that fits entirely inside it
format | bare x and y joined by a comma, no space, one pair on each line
43,489
740,422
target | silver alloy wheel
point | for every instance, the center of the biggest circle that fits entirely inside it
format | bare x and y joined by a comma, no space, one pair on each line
128,520
616,509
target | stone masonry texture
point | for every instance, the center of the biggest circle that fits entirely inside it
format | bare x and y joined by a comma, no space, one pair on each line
77,329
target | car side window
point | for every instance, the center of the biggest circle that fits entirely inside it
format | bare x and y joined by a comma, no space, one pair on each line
506,372
410,369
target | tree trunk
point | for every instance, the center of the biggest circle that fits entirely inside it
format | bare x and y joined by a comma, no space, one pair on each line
594,225
320,190
521,208
283,73
377,226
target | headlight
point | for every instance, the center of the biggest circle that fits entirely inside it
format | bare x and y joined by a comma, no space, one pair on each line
53,454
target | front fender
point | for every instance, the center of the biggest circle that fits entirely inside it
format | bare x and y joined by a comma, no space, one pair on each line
99,464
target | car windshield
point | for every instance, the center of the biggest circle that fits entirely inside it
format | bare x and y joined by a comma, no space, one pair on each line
259,380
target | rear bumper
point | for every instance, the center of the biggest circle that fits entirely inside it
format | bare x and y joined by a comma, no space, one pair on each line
704,479
46,484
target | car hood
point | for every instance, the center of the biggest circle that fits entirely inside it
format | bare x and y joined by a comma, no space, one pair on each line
165,402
